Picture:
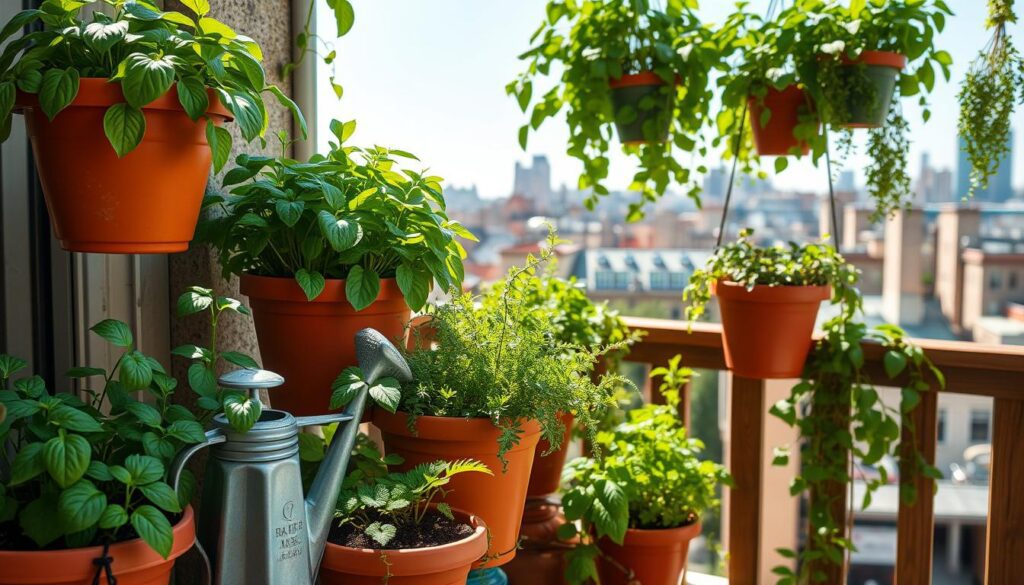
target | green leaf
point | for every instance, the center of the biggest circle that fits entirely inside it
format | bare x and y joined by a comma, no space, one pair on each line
297,117
194,301
415,286
346,387
219,140
341,234
41,519
387,393
120,474
192,352
201,379
361,287
344,15
85,372
73,419
32,387
136,372
157,446
114,331
101,36
152,526
311,447
311,282
361,198
212,26
162,495
58,89
141,10
146,78
382,534
18,22
241,411
240,359
146,414
28,463
99,471
894,363
67,458
113,517
10,365
193,97
81,506
200,7
144,469
289,211
247,112
8,91
187,431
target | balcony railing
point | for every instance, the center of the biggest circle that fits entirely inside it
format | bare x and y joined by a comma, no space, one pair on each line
969,368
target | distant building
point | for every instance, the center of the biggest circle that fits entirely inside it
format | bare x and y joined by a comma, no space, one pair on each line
1000,186
534,183
715,184
847,181
933,185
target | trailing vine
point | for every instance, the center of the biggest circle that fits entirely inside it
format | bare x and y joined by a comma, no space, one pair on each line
887,178
988,97
309,43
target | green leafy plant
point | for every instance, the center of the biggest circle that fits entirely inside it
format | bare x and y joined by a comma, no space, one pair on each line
745,263
988,97
649,476
597,40
310,43
383,506
485,360
147,51
351,214
241,411
80,477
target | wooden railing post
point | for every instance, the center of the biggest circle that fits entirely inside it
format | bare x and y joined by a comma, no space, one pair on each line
746,441
1004,559
916,524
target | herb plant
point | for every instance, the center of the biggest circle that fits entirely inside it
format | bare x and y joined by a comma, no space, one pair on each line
988,97
745,263
350,214
648,477
148,51
598,40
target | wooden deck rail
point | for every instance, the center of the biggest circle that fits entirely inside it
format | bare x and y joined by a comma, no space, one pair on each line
970,368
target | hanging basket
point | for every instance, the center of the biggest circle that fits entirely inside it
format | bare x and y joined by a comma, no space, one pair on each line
879,69
642,108
785,106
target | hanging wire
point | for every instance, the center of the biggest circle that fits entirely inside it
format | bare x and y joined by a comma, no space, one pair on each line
831,194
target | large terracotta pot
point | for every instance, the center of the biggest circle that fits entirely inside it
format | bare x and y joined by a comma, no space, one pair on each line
447,564
498,498
134,562
641,94
655,557
547,469
881,69
776,138
767,331
144,203
311,342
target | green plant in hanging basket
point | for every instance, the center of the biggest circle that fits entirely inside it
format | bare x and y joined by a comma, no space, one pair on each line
988,98
630,67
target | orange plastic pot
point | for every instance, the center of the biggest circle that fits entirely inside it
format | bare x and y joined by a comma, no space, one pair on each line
547,469
767,330
654,557
144,203
776,138
134,562
498,498
448,564
311,342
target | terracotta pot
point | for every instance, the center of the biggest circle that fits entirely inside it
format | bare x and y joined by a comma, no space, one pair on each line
311,342
541,560
767,331
134,562
498,499
144,203
447,564
641,93
881,69
546,475
655,557
777,138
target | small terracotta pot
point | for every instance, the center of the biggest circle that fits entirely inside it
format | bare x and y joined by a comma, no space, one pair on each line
655,557
767,331
498,499
882,69
541,560
651,124
311,342
448,564
135,563
144,203
777,138
546,475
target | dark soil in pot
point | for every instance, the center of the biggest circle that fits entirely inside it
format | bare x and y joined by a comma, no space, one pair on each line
435,530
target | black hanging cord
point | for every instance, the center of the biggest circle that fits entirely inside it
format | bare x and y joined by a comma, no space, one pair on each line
104,565
831,194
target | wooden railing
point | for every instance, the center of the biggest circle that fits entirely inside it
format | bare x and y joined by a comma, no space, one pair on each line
969,368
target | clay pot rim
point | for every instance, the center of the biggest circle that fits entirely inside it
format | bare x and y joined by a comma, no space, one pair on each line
661,536
407,562
440,428
637,79
60,564
284,288
877,58
762,293
101,92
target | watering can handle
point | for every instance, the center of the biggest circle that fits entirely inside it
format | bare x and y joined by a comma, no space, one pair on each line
323,419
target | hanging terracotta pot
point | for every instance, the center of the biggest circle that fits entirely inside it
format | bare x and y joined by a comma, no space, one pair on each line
498,498
643,110
541,557
447,564
547,469
311,342
146,202
768,330
134,562
880,69
777,138
651,557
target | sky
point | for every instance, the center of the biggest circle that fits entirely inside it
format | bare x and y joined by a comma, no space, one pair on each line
429,77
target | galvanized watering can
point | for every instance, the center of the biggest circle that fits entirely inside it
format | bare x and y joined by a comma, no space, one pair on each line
255,524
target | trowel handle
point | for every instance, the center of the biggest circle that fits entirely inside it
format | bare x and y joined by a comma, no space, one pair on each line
324,419
213,437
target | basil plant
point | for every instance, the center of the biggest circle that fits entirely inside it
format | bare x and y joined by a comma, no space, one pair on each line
147,51
350,214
